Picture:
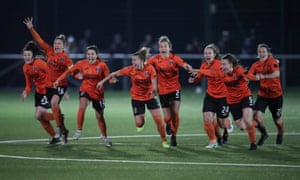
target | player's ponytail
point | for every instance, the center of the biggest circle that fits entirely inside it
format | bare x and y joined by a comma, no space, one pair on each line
142,53
61,37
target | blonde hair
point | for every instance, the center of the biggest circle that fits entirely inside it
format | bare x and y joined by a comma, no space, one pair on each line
215,50
61,37
142,53
165,39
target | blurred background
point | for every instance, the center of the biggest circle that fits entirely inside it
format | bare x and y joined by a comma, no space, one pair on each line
120,27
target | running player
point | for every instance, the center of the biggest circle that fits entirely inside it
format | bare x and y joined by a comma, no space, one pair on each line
35,72
143,91
90,70
266,70
239,96
58,62
167,66
215,98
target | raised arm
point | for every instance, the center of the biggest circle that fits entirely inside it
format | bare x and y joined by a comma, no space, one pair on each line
35,35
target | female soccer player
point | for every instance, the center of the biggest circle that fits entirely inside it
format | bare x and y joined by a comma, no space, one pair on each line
35,72
143,91
167,66
215,98
91,70
58,62
239,96
266,70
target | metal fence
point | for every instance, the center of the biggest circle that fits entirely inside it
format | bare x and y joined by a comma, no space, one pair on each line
11,75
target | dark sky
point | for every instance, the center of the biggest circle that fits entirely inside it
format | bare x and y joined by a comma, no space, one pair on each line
275,22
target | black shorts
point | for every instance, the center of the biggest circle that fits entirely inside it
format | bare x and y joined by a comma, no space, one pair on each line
274,104
60,91
167,99
98,105
216,105
237,109
138,107
41,100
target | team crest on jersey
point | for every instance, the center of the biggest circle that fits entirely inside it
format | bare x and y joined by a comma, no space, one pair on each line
97,69
171,62
62,59
146,73
35,69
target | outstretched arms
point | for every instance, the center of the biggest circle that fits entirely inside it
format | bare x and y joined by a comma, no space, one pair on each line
112,79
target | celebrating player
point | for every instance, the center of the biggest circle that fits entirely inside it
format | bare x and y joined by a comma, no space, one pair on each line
91,70
266,71
239,96
35,72
215,98
143,91
167,66
58,62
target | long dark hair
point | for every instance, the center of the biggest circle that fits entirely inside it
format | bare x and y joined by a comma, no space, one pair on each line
34,48
95,48
232,59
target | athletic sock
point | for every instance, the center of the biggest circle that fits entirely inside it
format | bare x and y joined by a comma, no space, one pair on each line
217,129
57,115
102,126
257,123
210,131
279,126
175,123
48,127
80,118
160,127
59,118
251,134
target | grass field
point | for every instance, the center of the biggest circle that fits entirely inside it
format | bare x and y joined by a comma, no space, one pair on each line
25,154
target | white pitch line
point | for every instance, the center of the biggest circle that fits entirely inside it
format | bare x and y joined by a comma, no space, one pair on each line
150,162
140,136
144,162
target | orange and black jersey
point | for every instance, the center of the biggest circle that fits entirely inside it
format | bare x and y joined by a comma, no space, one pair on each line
268,87
92,74
141,81
36,73
213,72
237,85
57,63
167,72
